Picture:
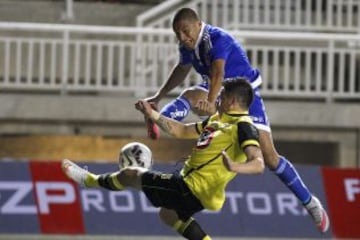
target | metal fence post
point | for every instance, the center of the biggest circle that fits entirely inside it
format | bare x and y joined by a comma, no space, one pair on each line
65,61
330,72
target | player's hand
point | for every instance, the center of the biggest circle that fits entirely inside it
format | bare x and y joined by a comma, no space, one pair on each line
229,164
154,101
144,107
205,107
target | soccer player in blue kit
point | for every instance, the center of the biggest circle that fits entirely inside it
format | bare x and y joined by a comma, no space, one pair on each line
217,57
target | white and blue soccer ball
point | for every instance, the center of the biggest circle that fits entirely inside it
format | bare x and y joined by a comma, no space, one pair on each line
135,154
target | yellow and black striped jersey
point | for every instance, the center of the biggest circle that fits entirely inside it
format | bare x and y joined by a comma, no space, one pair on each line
204,171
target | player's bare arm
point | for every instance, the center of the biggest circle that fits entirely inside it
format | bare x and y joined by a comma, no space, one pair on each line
168,125
217,76
176,77
215,83
253,165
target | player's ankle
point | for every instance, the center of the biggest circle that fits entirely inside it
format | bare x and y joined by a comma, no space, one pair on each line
92,180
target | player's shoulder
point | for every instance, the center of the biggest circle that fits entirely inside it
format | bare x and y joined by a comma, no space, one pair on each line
217,32
245,119
246,129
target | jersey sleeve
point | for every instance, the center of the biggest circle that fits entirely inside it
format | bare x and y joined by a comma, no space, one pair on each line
221,49
199,126
247,134
184,56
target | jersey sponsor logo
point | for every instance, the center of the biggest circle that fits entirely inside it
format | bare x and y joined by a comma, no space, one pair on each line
178,113
205,137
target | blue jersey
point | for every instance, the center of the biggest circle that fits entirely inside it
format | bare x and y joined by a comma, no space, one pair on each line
215,43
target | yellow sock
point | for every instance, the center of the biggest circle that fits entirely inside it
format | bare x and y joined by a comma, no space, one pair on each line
180,226
116,182
92,180
177,225
190,229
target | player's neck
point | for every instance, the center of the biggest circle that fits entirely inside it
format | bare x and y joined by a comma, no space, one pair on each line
236,108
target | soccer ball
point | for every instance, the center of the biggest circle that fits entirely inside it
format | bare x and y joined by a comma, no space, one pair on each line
135,154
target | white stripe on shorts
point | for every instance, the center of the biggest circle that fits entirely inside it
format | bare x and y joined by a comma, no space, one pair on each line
257,82
263,127
200,88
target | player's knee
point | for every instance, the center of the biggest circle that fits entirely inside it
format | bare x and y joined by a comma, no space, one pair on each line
189,96
193,95
162,214
271,156
169,217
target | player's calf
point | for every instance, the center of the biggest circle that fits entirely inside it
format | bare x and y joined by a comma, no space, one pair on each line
110,181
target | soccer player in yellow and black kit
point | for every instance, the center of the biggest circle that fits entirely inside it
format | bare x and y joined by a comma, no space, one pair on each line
227,144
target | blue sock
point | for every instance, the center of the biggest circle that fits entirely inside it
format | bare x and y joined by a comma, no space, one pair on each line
288,175
177,109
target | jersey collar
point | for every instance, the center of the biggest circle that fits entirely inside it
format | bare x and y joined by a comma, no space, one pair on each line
201,33
229,116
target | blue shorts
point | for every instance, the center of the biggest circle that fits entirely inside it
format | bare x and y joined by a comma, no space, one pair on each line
256,111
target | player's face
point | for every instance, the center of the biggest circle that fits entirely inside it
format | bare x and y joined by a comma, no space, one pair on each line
187,32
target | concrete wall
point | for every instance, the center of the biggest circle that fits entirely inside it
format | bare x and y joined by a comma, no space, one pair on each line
114,116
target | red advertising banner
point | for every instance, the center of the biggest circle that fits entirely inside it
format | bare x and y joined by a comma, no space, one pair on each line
57,199
342,188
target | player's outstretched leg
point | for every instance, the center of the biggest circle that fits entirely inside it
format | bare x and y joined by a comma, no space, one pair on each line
85,178
318,214
290,177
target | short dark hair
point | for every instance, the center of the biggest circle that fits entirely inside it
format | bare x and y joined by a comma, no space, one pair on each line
241,89
185,14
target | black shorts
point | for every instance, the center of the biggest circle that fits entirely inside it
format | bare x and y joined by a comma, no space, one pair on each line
171,192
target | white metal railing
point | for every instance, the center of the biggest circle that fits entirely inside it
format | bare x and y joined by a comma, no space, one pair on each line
277,15
76,58
62,58
68,13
